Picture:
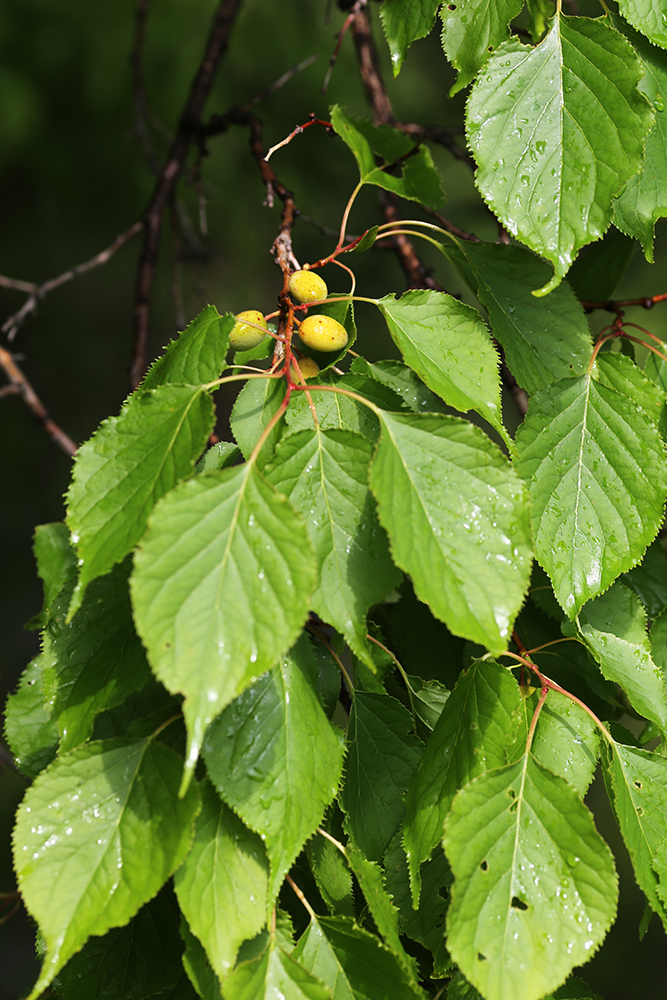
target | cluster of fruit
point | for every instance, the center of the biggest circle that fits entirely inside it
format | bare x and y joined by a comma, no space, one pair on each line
317,332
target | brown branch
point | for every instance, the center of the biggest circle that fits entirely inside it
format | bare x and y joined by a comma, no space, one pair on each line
616,305
38,292
223,22
18,379
369,67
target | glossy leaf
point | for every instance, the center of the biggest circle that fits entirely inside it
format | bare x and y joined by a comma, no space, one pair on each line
125,467
222,884
404,21
595,468
535,887
471,29
543,340
457,520
197,355
381,759
619,372
446,343
324,474
337,412
643,201
567,741
220,589
93,662
613,627
56,564
556,131
405,382
647,16
638,782
97,834
273,975
30,730
258,401
275,758
353,962
472,735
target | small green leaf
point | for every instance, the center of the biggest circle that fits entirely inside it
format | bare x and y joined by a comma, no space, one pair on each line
97,835
198,355
222,884
638,782
125,467
92,663
220,589
472,735
30,730
404,21
331,874
648,17
449,347
273,975
56,564
219,456
457,519
382,757
275,758
258,401
471,29
535,888
567,741
613,627
543,340
324,474
556,130
595,467
405,382
367,240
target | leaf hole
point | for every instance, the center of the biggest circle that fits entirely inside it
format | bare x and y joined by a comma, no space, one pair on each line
167,645
480,957
638,784
451,6
490,48
511,793
513,808
484,866
640,811
518,904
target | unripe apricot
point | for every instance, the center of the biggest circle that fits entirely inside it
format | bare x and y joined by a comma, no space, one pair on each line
308,287
323,333
244,336
308,368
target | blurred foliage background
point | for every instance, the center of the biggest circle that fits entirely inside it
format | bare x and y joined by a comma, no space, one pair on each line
74,175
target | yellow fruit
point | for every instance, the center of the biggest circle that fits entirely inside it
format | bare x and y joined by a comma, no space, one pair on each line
245,333
305,286
308,368
322,333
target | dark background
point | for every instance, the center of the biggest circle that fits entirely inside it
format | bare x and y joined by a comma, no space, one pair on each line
73,175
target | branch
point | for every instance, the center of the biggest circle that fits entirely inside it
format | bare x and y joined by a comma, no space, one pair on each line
37,292
216,46
23,387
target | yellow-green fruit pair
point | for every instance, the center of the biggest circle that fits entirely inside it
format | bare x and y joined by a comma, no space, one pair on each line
305,286
245,334
323,333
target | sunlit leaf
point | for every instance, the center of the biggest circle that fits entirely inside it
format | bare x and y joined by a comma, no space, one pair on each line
197,355
404,21
471,29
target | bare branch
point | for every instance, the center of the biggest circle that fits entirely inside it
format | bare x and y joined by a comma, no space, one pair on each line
18,379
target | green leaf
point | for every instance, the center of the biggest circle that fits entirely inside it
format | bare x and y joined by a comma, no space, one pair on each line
220,589
258,401
567,741
222,884
595,468
275,758
471,29
405,382
324,474
337,412
30,731
367,240
125,467
56,564
427,700
382,757
219,456
198,354
92,663
331,874
556,131
273,975
404,21
457,520
647,16
638,782
418,181
472,735
133,962
643,201
449,347
619,372
613,627
353,962
96,836
535,887
543,341
197,966
649,580
658,636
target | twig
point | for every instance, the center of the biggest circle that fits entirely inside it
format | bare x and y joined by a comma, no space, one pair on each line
37,292
616,305
18,379
369,68
223,22
140,102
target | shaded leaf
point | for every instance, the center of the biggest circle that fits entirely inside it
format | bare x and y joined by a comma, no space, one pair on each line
197,966
567,741
649,580
258,401
56,564
471,29
220,589
405,382
556,131
404,21
96,836
337,412
535,888
197,355
457,520
30,730
271,975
